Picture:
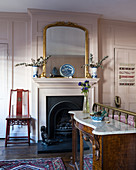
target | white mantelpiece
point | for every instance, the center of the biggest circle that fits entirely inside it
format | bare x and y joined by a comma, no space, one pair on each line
59,82
43,87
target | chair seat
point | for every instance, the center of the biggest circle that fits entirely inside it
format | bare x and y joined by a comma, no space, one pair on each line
23,117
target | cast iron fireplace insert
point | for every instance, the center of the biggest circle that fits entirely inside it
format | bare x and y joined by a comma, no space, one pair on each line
57,117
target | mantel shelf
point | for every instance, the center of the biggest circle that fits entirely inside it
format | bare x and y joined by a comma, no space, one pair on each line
62,81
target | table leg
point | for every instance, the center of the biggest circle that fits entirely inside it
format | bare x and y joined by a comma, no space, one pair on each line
81,151
74,144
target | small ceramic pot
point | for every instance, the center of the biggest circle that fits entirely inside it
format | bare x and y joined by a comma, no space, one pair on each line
35,71
94,72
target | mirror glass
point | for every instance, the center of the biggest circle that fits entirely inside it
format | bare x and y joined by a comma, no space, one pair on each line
66,43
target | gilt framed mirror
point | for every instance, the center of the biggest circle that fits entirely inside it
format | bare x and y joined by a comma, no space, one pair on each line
67,43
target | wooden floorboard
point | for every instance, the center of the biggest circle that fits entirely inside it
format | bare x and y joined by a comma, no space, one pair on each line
27,152
24,151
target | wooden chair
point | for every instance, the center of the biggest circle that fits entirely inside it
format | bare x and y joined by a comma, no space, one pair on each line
18,115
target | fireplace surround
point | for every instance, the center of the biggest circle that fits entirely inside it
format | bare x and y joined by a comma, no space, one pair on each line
45,88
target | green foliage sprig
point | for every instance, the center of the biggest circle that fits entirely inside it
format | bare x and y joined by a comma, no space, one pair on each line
39,62
93,64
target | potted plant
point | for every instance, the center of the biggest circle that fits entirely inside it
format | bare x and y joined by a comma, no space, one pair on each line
94,66
35,64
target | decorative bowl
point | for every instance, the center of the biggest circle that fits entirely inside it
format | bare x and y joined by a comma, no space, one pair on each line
97,118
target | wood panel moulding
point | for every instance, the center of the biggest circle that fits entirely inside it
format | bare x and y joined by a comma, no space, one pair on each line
3,30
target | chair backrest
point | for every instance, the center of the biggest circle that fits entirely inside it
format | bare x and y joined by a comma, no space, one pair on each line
19,102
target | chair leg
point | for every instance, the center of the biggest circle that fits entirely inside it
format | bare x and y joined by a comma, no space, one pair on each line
8,130
28,124
7,133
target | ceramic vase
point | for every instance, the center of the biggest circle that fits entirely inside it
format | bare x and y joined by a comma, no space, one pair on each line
35,72
94,72
86,106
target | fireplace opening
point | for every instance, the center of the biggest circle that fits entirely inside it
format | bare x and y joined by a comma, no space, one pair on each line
57,135
63,124
58,118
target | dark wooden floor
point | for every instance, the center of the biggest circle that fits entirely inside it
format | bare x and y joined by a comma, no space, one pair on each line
28,152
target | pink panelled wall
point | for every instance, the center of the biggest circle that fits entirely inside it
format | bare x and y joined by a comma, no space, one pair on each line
23,33
117,39
15,32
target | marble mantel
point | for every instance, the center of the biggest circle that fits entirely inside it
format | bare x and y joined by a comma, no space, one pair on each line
43,87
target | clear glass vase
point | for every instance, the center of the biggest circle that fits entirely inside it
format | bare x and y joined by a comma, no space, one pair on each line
86,106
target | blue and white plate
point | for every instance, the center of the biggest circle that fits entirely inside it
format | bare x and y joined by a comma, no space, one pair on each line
67,70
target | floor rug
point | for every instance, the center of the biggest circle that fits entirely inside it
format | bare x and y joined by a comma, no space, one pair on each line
33,164
88,162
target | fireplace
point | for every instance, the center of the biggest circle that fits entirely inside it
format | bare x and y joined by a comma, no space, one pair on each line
67,93
58,120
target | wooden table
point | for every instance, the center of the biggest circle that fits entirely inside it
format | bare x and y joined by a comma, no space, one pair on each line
114,142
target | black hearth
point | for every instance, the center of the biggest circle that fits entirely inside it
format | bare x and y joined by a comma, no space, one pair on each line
58,147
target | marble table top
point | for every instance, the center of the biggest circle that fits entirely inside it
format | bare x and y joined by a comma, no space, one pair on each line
106,127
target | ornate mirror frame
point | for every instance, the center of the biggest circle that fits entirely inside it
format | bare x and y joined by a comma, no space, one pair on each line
66,24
